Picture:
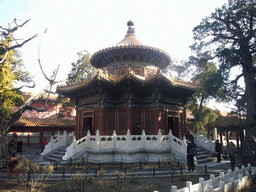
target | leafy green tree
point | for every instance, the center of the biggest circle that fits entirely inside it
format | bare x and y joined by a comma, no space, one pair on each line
18,69
181,68
8,96
198,72
81,70
229,36
202,115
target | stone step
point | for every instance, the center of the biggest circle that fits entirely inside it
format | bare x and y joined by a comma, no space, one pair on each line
206,160
56,156
52,159
204,156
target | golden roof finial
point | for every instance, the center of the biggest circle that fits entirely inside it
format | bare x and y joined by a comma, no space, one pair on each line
130,29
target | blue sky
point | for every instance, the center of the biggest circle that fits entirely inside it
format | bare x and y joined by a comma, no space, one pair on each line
76,25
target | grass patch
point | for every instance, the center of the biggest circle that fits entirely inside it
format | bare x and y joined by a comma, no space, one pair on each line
111,185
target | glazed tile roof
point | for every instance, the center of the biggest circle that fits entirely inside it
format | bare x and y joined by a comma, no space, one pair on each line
227,123
39,122
129,39
68,89
130,45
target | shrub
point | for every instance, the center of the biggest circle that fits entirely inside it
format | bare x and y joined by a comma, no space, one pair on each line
31,174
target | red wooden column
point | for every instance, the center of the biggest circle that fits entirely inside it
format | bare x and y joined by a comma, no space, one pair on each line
100,121
77,124
41,137
143,123
158,119
185,121
156,113
176,125
227,138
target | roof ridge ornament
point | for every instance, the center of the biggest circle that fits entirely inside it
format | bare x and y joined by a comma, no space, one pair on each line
130,30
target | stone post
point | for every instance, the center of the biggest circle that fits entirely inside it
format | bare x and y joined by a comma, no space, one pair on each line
128,139
114,139
197,140
64,138
201,181
212,177
51,143
222,185
159,137
210,188
97,139
232,181
174,188
189,184
74,145
222,175
143,135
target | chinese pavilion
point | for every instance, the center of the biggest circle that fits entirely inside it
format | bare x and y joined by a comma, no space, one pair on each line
129,89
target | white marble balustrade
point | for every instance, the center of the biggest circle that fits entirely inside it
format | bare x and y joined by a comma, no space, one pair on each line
126,144
231,181
58,141
208,144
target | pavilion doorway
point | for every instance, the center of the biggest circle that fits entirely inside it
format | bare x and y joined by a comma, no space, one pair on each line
87,125
173,123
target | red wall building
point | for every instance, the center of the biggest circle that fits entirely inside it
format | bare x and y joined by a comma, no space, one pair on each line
129,89
34,126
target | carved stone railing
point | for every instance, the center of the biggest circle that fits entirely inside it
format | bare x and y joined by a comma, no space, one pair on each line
58,141
179,147
202,141
231,181
126,147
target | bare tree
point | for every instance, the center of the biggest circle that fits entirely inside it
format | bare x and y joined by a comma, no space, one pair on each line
7,44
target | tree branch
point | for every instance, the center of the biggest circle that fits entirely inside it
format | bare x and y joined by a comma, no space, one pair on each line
12,30
40,65
20,45
7,34
6,53
236,79
227,23
16,89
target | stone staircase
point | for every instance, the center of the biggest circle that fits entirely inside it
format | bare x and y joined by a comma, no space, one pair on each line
203,156
56,156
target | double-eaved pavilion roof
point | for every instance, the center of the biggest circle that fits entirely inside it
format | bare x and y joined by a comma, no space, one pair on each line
166,84
131,50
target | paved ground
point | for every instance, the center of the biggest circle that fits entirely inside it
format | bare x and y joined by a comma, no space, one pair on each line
32,152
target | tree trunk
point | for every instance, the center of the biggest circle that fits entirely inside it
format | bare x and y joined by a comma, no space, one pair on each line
249,145
4,145
197,117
